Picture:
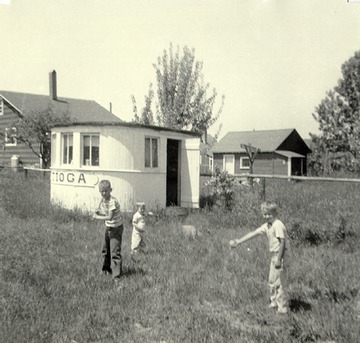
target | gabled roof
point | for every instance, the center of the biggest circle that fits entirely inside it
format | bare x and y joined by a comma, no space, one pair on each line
308,142
206,148
79,110
266,141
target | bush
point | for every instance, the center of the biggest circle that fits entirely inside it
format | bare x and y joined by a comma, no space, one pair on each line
223,193
207,201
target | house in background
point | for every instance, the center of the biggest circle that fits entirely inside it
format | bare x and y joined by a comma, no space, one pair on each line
157,165
15,104
206,156
281,152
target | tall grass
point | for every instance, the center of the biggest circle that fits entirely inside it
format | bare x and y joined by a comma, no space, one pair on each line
181,290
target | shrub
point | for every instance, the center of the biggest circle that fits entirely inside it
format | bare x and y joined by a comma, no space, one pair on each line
223,185
207,201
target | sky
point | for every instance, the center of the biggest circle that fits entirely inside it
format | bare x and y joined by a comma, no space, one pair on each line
273,60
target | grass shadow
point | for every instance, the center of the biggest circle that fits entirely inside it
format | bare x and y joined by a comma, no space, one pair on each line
133,270
297,305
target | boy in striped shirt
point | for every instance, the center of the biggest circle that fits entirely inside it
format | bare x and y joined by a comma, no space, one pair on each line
109,210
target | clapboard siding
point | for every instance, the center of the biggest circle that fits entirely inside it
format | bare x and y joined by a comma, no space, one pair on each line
265,163
26,155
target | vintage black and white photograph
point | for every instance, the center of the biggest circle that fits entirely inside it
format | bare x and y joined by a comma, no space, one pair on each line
179,171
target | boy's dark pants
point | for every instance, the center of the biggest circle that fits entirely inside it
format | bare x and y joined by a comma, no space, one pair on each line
112,251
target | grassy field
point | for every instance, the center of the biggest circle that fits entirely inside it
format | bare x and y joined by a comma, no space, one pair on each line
181,290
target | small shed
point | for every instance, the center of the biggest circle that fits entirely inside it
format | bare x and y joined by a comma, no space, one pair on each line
281,152
157,165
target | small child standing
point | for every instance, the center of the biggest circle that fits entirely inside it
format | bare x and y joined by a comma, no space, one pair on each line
109,210
138,222
276,234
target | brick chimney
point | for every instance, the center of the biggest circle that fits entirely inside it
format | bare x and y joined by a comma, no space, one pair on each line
52,85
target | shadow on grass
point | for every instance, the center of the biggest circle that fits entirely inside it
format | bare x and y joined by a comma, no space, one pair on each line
297,305
133,270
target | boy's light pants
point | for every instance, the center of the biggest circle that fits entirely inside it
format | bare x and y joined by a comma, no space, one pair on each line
277,282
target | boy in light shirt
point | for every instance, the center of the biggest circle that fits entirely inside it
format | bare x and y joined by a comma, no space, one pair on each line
276,234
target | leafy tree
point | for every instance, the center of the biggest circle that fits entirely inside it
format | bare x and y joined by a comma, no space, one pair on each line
338,115
146,113
182,95
34,129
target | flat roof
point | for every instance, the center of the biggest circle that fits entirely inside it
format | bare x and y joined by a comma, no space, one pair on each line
130,125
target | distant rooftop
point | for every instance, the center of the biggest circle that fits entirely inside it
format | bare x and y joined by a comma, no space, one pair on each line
78,109
265,140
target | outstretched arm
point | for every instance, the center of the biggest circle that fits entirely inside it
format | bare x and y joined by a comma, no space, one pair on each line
234,243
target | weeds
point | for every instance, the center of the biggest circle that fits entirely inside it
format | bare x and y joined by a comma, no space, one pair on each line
180,290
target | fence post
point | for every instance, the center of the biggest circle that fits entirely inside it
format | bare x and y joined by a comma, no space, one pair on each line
263,189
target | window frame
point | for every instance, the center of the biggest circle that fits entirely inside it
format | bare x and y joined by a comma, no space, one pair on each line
7,139
91,135
68,135
151,158
242,166
211,162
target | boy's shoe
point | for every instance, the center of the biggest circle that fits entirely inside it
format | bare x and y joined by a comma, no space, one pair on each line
106,272
272,305
282,312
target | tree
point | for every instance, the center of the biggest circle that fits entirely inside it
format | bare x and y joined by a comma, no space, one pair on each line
146,113
34,129
338,115
182,94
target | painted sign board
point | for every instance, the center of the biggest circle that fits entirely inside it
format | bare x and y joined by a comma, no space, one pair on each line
74,178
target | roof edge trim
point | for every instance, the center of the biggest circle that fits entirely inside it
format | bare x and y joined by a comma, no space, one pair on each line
127,124
9,102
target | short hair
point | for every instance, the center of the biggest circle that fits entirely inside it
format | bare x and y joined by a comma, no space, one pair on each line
140,204
104,184
269,206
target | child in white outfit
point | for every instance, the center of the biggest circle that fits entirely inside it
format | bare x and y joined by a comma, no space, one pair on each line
138,222
276,234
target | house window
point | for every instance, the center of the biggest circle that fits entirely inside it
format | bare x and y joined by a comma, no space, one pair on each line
210,163
10,136
90,144
67,148
151,153
1,107
244,163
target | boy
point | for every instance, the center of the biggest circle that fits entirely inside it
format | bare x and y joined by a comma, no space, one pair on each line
276,234
109,210
138,222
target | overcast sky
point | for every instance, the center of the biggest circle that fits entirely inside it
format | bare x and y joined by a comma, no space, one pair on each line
273,60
